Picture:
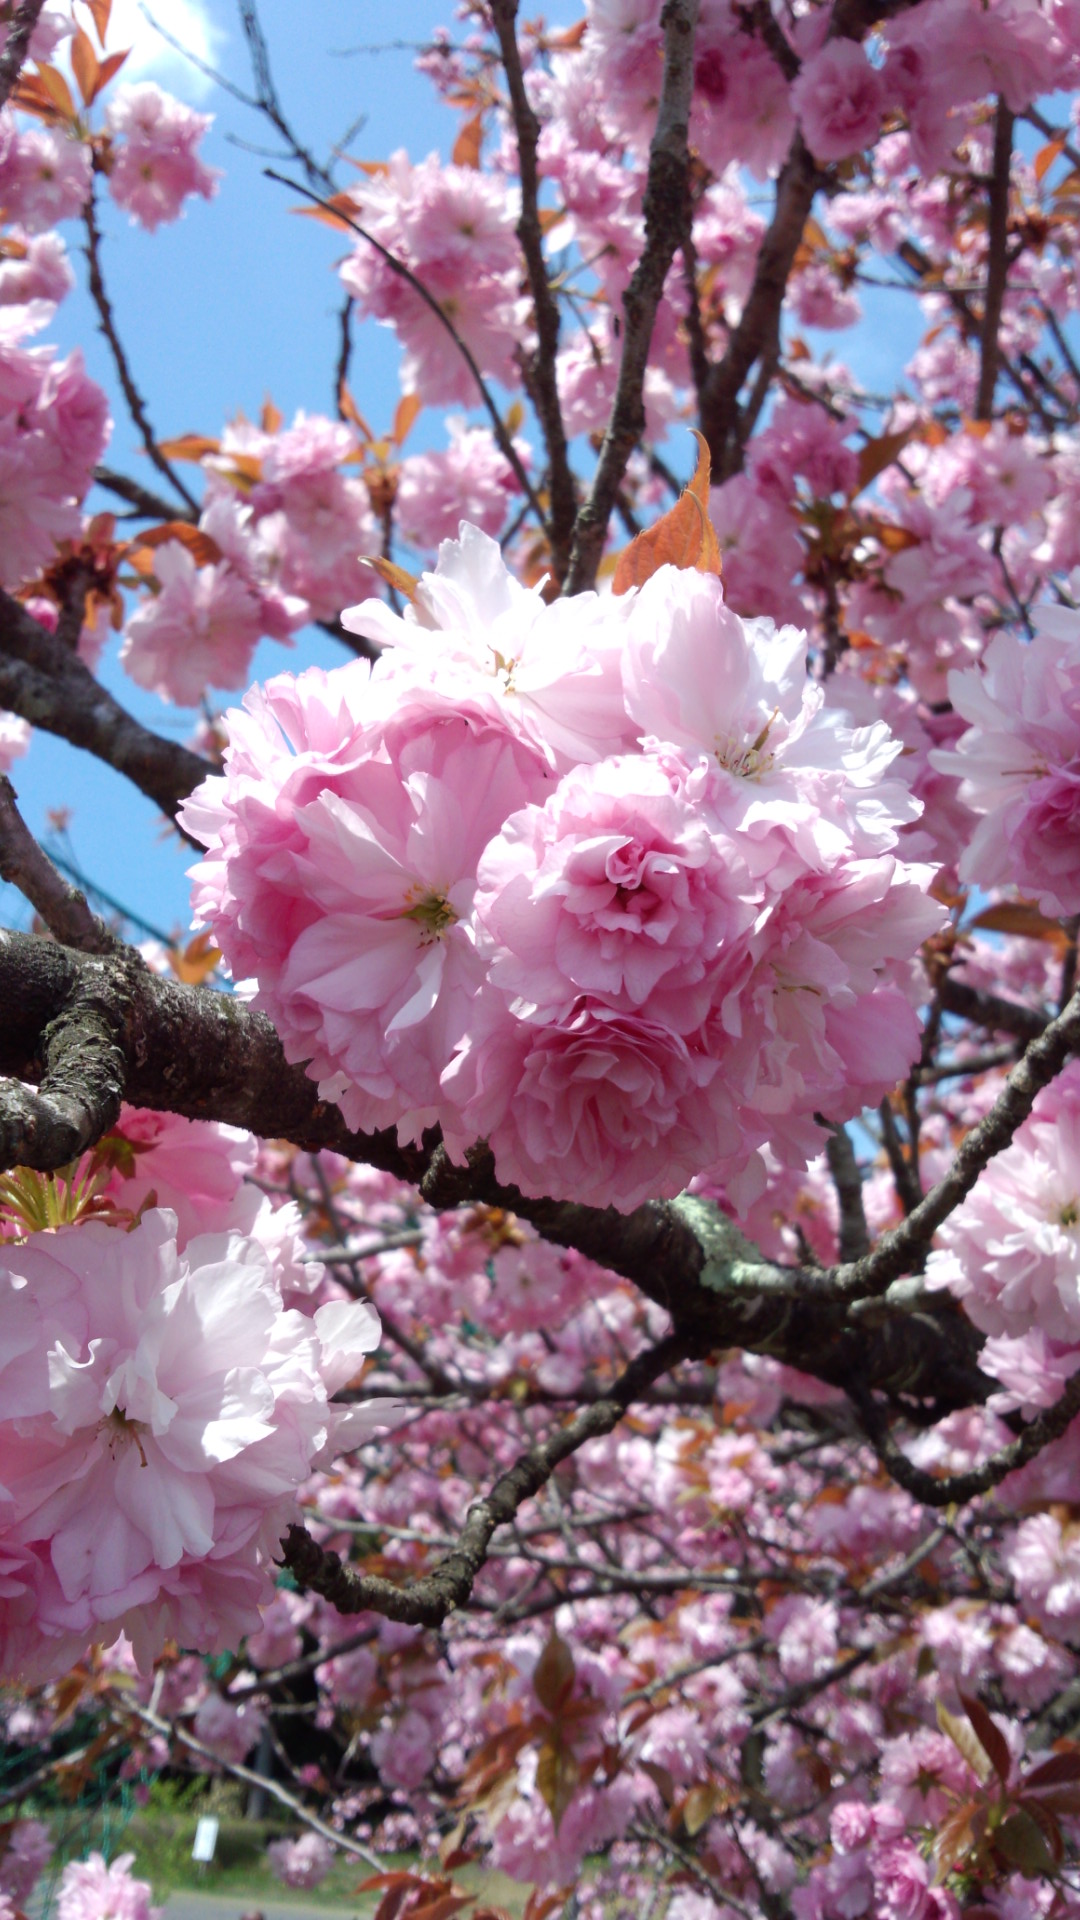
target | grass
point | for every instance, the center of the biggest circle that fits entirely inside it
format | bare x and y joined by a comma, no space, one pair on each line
161,1837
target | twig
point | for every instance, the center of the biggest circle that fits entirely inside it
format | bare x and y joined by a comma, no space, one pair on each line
107,321
990,1011
47,684
665,214
277,1792
846,1178
997,270
898,1251
15,46
909,1191
505,443
62,907
428,1600
931,1491
540,372
148,504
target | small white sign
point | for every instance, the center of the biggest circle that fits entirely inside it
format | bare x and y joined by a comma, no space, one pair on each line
206,1834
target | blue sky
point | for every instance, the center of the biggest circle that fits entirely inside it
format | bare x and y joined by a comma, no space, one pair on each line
235,301
238,300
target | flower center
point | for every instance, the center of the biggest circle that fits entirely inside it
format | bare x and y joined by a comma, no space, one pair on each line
124,1431
432,913
747,763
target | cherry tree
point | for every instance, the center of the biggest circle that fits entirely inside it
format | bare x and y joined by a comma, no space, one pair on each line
548,1333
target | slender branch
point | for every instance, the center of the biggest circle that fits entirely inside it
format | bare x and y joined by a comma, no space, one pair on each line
846,1178
931,1491
17,44
758,325
997,266
902,1249
427,1601
267,101
107,324
26,865
44,682
540,372
907,1186
665,211
505,443
129,1706
148,504
990,1011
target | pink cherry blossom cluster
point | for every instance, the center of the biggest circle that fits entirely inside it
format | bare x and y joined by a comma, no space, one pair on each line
1019,761
454,229
291,529
153,166
54,425
166,1385
603,881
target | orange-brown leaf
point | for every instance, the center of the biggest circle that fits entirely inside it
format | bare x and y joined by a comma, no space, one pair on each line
204,551
682,537
351,412
100,11
699,1806
84,65
557,1776
339,210
405,414
196,962
189,446
1046,156
397,577
58,91
107,68
880,453
466,149
1021,916
271,418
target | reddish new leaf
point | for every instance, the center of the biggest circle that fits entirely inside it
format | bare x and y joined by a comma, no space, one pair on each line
990,1737
553,1675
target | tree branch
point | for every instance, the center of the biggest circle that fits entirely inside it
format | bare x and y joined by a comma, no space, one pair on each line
16,45
931,1491
27,866
505,442
666,212
47,684
427,1601
107,322
904,1248
540,369
997,260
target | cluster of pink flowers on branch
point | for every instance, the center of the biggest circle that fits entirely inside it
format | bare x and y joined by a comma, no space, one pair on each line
603,881
163,1404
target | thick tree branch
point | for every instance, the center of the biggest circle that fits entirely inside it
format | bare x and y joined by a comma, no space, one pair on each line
540,368
16,45
427,1601
204,1054
997,261
666,212
47,684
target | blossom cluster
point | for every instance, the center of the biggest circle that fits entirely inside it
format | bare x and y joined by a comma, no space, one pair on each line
166,1381
603,881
